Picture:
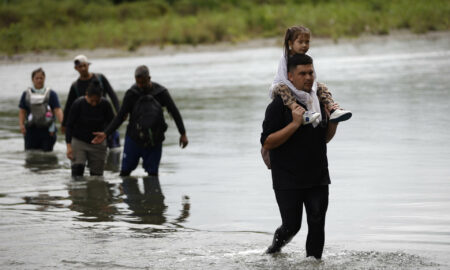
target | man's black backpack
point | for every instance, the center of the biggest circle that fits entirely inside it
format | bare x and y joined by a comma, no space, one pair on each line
147,121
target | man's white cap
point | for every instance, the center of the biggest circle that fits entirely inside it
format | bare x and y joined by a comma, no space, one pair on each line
80,59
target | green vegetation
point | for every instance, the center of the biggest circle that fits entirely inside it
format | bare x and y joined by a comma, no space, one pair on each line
70,24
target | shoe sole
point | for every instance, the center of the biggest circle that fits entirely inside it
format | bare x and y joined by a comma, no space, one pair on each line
341,118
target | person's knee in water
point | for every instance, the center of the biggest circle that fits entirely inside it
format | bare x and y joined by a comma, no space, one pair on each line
77,170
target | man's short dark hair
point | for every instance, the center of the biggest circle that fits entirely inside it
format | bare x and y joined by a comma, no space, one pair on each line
142,72
298,59
94,89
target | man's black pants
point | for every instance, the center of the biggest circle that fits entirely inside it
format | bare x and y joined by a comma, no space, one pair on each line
290,202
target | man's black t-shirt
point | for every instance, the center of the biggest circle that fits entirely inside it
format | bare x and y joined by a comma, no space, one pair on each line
301,162
84,119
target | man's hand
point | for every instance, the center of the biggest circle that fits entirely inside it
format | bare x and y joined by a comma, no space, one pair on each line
69,153
333,108
99,137
297,115
281,136
63,129
183,141
23,130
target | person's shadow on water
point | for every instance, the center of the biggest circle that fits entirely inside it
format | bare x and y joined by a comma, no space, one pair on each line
149,206
92,196
38,161
44,201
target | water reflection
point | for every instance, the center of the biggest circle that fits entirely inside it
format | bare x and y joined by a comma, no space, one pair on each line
97,200
93,197
41,161
147,205
185,210
44,201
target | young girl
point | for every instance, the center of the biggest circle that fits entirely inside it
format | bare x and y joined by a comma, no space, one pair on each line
296,41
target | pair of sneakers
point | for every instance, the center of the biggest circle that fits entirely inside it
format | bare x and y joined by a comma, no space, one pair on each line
338,115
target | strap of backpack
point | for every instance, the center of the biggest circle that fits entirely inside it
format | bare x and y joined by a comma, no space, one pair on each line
97,76
28,97
99,79
47,95
75,86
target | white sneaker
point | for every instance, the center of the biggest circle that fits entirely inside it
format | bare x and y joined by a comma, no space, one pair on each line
340,115
309,117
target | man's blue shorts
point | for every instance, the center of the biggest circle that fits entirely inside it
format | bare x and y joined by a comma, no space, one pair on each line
132,152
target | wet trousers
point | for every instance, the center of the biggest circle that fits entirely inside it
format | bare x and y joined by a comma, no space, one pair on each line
39,139
290,203
94,154
132,152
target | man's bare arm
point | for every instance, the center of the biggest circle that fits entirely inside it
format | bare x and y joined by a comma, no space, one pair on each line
281,136
331,131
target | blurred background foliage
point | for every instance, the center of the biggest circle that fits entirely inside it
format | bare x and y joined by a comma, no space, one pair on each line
36,25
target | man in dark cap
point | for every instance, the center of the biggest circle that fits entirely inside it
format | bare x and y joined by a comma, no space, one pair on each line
143,102
298,157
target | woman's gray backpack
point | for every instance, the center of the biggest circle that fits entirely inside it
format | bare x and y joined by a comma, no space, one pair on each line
147,121
40,112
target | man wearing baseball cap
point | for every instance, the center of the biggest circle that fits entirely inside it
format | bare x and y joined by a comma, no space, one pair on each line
78,89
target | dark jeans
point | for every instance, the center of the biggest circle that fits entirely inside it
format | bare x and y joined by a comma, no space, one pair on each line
39,139
132,152
290,202
113,140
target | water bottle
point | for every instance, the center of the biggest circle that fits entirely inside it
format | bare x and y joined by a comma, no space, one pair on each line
49,118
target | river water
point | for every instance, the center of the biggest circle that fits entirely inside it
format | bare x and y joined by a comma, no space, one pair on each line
214,207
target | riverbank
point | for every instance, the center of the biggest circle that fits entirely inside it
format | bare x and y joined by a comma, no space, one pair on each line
99,53
45,25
